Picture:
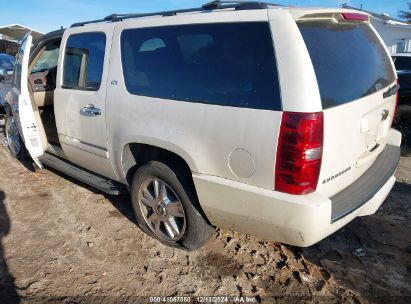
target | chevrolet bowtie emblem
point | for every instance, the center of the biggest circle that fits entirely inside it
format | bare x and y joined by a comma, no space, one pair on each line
384,115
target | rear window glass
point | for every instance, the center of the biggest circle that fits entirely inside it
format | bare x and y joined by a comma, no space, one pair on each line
348,58
231,64
402,63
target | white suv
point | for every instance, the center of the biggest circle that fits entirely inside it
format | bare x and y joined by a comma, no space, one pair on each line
270,120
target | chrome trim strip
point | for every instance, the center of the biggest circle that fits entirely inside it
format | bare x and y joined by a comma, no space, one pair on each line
84,146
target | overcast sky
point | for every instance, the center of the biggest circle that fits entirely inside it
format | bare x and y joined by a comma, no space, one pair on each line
48,15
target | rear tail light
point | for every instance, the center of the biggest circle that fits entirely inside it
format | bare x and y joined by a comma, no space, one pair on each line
355,16
395,107
299,152
396,99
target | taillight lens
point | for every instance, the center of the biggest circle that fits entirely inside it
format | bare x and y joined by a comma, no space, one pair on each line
395,107
396,99
299,152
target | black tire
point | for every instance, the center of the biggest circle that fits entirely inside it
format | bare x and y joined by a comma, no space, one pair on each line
402,123
197,230
21,153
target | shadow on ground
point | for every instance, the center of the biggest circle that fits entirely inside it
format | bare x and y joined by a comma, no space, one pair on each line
121,202
8,292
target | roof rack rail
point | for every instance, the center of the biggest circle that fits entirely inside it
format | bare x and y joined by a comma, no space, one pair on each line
86,22
217,4
120,17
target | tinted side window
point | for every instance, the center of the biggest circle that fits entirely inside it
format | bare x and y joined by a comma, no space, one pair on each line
349,60
84,61
231,64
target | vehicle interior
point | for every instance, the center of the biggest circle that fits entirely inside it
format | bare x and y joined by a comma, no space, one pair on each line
42,83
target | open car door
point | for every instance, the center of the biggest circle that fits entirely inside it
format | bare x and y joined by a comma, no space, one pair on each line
32,127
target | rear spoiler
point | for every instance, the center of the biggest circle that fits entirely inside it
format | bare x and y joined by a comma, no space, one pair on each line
339,15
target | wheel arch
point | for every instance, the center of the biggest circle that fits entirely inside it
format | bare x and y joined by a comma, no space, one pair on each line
135,155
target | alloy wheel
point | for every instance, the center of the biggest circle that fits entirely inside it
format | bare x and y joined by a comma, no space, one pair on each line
13,136
162,209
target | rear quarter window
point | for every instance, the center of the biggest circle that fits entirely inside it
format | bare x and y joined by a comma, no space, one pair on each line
230,64
349,60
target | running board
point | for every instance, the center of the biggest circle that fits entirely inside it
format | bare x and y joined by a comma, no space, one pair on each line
96,181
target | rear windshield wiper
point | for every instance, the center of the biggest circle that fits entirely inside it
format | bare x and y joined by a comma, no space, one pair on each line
391,91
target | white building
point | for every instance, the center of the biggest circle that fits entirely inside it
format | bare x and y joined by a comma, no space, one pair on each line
395,33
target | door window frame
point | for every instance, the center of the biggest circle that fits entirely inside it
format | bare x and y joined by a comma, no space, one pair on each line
80,88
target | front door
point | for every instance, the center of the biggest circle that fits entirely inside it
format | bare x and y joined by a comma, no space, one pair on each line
31,126
80,98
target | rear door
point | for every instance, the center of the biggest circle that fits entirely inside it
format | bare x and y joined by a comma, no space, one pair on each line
357,83
32,128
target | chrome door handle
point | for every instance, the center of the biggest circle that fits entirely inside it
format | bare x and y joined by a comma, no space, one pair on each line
90,111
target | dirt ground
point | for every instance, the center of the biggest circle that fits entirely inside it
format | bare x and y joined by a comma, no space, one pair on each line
62,241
